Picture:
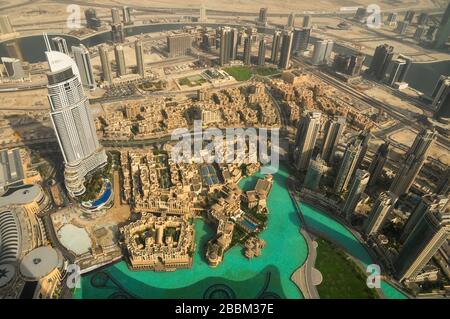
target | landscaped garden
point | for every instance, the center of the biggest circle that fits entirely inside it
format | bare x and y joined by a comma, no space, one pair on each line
152,86
191,81
94,184
266,71
240,73
244,73
342,278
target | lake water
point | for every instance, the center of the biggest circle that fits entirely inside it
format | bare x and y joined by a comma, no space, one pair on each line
267,276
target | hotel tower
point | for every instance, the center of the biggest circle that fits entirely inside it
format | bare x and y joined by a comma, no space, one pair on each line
72,121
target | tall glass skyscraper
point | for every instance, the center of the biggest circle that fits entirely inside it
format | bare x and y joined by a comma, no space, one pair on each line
83,61
334,129
347,166
286,47
381,211
72,122
413,162
430,233
307,132
444,29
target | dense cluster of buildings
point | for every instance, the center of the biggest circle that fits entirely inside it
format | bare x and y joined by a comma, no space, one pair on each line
164,243
301,92
233,44
233,212
30,267
151,182
72,121
245,106
318,138
385,68
330,153
431,33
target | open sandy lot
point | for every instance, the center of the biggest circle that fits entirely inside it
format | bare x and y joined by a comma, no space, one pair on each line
41,11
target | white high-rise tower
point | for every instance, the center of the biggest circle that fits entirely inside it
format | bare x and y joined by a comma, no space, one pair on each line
72,121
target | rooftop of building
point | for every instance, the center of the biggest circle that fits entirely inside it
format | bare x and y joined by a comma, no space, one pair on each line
39,262
21,196
11,169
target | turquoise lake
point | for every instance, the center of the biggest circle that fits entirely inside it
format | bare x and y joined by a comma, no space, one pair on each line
267,276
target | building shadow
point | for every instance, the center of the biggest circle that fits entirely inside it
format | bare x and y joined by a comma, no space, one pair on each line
40,140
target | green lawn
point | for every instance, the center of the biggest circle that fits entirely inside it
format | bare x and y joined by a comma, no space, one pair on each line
240,73
192,81
244,73
266,71
342,278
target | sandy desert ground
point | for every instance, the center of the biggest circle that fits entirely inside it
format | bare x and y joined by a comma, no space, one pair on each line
26,11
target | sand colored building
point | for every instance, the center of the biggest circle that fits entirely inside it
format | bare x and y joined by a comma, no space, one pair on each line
159,243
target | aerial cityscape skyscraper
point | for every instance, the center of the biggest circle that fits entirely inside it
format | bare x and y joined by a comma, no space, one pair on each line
306,21
333,132
399,69
441,99
378,162
443,30
121,68
307,132
247,56
106,65
349,64
347,166
314,173
115,16
430,233
357,188
422,19
126,14
402,26
13,68
276,45
92,21
322,52
429,202
234,44
262,19
409,16
364,136
139,57
286,48
5,25
179,44
443,186
379,214
225,45
117,33
413,162
420,32
262,52
291,20
60,44
381,61
13,49
286,142
72,121
301,40
392,19
83,61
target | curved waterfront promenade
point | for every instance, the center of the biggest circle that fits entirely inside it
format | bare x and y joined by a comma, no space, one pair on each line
323,225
